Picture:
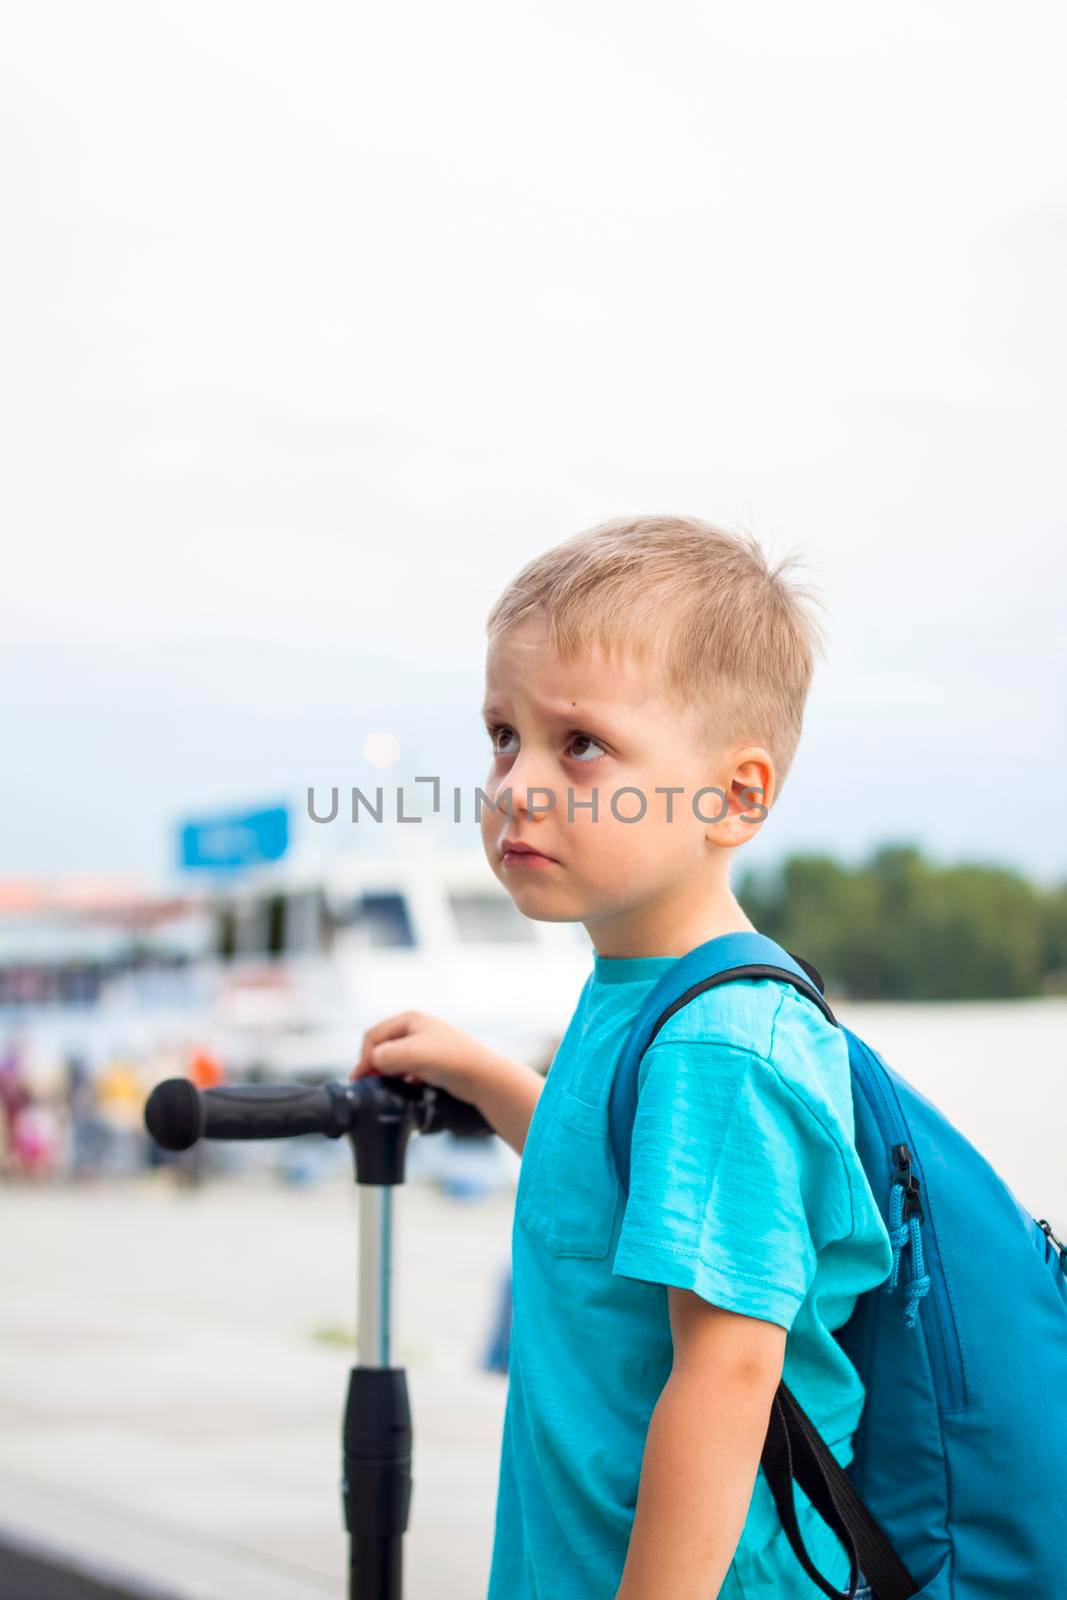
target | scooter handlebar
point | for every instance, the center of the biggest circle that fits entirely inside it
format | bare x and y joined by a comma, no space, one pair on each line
177,1113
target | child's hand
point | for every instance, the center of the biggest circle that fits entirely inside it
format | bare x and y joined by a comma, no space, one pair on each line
421,1048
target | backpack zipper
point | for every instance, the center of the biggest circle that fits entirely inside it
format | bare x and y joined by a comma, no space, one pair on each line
946,1357
908,1182
1046,1229
904,1205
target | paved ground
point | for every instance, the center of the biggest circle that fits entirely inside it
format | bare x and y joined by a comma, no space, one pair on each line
173,1368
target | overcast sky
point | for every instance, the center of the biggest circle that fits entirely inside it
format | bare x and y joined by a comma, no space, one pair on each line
319,321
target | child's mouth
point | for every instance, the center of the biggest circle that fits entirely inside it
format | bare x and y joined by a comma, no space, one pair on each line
512,857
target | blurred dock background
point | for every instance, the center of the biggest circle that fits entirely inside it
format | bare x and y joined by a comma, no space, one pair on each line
175,1338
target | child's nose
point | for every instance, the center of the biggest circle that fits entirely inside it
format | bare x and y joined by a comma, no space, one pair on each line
531,780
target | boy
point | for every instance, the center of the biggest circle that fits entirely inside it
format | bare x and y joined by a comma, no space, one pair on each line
646,683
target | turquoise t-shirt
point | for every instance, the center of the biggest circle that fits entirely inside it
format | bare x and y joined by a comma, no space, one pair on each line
746,1188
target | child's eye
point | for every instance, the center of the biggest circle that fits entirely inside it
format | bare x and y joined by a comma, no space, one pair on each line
500,730
584,738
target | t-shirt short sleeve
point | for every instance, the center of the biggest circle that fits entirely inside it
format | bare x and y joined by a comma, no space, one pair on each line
735,1183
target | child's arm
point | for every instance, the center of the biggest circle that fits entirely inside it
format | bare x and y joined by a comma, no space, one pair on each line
702,1450
506,1093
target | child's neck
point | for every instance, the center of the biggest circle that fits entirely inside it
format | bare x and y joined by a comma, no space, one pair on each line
672,929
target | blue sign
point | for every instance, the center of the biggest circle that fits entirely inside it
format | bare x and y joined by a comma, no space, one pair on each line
240,839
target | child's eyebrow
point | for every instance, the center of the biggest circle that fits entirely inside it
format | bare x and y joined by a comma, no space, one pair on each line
574,715
565,713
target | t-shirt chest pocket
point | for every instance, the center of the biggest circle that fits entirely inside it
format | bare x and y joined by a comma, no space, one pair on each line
567,1198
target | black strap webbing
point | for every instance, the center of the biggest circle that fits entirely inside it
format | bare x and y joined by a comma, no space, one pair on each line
794,1450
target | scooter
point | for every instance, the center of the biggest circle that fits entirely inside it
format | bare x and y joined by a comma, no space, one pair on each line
378,1115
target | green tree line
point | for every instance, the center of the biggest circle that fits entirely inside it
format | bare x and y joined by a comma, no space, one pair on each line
900,927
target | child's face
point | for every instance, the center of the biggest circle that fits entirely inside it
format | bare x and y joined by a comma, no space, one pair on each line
593,726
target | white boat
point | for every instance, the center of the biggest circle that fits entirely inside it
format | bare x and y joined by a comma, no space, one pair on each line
282,971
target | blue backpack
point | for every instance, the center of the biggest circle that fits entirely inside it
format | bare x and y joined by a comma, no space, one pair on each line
959,1470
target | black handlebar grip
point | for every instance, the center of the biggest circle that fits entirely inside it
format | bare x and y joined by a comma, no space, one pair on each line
271,1111
172,1114
177,1114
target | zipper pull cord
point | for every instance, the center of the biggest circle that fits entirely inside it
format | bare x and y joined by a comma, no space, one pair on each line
919,1283
898,1233
905,1218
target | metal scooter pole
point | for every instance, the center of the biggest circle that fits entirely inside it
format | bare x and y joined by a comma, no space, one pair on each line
378,1115
376,1437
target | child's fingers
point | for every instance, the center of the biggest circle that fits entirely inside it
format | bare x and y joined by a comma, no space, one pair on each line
390,1028
393,1057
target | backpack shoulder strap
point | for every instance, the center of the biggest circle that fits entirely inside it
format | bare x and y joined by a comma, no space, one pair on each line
721,960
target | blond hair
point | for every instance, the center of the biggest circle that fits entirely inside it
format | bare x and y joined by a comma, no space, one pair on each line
723,630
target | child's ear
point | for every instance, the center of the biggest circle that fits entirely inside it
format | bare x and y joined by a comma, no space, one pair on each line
749,796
